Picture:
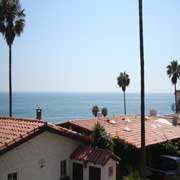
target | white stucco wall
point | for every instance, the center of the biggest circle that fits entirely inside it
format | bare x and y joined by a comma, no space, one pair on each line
104,170
24,159
110,163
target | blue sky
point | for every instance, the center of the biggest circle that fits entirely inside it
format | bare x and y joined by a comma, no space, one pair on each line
83,45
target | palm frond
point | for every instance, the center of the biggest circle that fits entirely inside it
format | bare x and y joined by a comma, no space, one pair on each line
12,20
173,71
123,80
19,26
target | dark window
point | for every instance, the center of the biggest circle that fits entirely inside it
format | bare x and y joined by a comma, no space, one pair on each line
12,176
94,173
63,168
77,171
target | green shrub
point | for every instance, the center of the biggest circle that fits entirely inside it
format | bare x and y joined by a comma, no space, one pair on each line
100,137
132,176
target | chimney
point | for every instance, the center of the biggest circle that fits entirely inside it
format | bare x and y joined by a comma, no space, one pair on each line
39,113
153,112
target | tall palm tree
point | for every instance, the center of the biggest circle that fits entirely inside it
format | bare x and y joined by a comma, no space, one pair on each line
11,26
123,81
143,154
173,71
2,17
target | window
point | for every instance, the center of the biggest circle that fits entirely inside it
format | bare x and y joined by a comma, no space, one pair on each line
12,176
94,173
63,168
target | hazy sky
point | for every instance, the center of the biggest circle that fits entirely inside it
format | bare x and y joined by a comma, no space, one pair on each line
83,45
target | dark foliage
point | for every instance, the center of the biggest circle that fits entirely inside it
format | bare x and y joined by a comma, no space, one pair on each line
95,110
129,157
123,81
100,137
173,71
104,111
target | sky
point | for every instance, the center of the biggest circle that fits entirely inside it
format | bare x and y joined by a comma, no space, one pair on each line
83,45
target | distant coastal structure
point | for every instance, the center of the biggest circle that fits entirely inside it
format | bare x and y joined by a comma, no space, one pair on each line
178,100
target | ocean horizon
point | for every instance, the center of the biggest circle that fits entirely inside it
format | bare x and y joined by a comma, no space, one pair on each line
60,107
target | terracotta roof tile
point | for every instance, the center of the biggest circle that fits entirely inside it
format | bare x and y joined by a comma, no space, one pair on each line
93,155
156,132
12,129
15,130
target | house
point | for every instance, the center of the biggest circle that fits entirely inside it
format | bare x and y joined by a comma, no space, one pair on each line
159,129
32,149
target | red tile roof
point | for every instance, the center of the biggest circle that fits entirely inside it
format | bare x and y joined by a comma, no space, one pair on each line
93,155
117,127
14,131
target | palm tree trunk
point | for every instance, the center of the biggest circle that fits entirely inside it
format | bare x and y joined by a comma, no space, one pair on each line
175,98
10,81
124,103
143,158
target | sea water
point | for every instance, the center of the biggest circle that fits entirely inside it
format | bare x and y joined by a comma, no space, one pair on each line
59,107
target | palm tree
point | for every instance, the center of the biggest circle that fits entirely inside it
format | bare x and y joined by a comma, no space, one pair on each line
1,15
123,81
143,154
173,71
104,111
95,110
11,26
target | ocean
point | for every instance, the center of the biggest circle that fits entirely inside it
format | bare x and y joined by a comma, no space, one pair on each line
59,107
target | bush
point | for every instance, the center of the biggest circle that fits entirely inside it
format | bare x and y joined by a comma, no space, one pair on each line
133,176
100,137
129,158
168,148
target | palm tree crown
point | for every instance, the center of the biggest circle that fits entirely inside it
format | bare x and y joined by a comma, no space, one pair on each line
12,20
123,80
173,71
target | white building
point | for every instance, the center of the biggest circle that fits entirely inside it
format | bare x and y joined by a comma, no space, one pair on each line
35,150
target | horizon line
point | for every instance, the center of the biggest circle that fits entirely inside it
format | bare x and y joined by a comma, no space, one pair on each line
105,92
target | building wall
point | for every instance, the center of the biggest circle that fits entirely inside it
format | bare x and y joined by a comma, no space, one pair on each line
178,100
47,149
104,170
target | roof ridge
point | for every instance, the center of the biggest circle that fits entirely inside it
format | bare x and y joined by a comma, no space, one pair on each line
92,154
102,118
66,130
22,119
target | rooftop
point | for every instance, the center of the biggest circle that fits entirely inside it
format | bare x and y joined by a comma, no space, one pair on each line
128,128
14,131
93,155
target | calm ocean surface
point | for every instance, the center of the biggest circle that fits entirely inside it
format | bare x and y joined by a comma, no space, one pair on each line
58,107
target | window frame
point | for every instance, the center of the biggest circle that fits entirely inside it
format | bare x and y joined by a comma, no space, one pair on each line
12,176
63,168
